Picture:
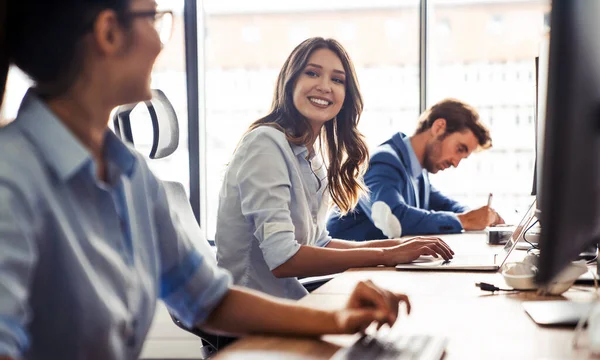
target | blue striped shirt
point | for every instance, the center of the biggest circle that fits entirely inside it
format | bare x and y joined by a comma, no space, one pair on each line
83,261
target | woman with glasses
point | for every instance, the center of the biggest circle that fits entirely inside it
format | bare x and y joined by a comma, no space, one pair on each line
87,240
275,195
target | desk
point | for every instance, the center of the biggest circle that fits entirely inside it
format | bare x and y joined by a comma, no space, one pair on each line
167,341
479,325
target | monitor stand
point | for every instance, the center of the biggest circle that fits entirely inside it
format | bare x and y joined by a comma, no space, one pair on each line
557,312
588,277
588,254
560,312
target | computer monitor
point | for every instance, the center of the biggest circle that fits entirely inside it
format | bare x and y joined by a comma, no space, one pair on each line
568,170
537,107
541,88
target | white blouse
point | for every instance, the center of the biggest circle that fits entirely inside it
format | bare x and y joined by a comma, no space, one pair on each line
273,200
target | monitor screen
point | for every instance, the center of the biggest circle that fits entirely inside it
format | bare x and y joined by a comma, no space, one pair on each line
540,116
568,167
518,233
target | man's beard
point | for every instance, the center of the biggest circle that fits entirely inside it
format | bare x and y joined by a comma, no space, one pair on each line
432,153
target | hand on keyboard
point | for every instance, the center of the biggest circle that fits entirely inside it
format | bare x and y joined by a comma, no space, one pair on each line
367,304
412,249
396,347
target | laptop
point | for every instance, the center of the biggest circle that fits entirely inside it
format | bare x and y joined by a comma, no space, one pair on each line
490,262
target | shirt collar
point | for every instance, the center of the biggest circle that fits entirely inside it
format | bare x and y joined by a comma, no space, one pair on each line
301,150
59,148
119,154
415,166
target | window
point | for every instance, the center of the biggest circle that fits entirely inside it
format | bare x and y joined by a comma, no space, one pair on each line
505,99
251,34
297,33
168,75
346,32
443,28
240,79
481,53
495,25
394,29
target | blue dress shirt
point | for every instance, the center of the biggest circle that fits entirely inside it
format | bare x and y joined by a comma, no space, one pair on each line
416,170
396,178
273,200
82,261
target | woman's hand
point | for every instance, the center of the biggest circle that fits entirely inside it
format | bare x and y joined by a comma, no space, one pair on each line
411,249
367,304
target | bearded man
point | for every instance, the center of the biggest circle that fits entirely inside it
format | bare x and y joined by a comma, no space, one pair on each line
401,200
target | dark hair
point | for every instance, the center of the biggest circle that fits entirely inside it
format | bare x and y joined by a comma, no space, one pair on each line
44,39
345,146
459,117
4,54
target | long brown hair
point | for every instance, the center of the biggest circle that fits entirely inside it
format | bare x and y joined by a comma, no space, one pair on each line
347,153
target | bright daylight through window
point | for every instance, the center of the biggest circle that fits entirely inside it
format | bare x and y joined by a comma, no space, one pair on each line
168,75
483,52
479,51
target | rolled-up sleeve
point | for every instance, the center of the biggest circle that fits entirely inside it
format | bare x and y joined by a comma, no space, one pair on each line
324,239
264,187
18,258
190,284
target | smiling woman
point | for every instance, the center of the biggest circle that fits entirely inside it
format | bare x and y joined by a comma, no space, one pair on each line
275,195
321,70
88,241
319,92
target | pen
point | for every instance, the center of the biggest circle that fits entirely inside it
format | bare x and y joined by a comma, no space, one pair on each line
490,196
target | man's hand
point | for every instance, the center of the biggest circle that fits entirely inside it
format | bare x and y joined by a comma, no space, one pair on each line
479,219
367,304
499,220
411,249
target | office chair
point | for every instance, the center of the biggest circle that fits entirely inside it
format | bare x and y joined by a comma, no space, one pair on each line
165,139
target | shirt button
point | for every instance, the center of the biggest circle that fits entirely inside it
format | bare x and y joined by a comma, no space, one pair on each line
124,329
128,332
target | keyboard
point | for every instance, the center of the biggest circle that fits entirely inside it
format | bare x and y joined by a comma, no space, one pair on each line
394,346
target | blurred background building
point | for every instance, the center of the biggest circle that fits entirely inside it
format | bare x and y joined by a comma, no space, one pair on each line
479,51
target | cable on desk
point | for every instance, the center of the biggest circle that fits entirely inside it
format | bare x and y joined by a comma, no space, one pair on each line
490,287
525,235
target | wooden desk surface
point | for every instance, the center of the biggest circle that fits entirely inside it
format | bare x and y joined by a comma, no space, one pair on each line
478,324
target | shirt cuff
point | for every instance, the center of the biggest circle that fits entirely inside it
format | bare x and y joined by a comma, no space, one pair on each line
453,223
459,209
193,289
324,242
278,248
13,338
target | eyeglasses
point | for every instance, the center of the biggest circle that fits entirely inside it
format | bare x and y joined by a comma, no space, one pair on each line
161,20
